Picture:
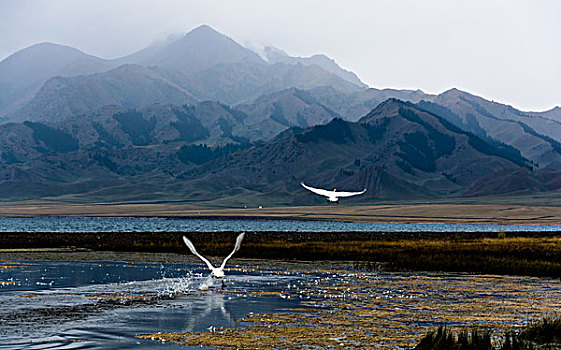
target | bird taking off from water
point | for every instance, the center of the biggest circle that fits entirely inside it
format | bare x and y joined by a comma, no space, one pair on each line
332,196
215,271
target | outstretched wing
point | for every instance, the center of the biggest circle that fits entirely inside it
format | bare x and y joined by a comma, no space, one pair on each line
348,194
194,251
319,191
236,248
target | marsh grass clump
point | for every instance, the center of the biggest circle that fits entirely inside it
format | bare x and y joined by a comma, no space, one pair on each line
546,331
544,334
530,256
444,339
509,255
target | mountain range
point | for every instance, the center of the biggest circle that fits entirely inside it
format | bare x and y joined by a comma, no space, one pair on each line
52,82
204,118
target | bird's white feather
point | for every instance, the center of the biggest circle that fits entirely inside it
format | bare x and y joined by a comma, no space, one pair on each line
194,251
348,194
239,240
331,194
216,272
319,191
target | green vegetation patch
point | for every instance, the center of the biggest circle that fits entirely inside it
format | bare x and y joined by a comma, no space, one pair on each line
55,139
546,331
554,144
422,150
8,157
189,127
444,339
442,143
477,137
376,131
337,131
138,128
417,152
200,154
106,139
278,114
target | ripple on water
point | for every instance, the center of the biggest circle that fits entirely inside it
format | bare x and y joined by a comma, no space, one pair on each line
103,224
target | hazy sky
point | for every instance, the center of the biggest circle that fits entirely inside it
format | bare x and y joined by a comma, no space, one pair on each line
507,50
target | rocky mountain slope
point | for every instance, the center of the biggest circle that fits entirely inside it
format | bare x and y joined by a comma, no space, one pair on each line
536,135
202,117
538,138
554,113
115,127
396,151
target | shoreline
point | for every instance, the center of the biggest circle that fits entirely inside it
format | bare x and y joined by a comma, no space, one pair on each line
266,217
380,213
513,253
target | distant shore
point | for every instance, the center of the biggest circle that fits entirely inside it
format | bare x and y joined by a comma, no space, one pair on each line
395,213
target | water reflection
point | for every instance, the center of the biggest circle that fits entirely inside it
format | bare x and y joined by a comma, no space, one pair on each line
215,312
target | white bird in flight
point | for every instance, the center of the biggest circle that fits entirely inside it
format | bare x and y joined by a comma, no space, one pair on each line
332,196
215,271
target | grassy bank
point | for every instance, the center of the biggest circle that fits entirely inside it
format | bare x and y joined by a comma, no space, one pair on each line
532,254
512,256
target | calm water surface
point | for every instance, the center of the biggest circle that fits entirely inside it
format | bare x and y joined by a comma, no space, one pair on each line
87,224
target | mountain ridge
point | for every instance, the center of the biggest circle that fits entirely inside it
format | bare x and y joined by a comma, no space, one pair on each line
537,138
200,49
130,86
343,154
397,150
275,55
204,117
203,62
23,73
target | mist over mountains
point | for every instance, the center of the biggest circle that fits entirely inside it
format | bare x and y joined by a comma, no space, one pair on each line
53,82
205,119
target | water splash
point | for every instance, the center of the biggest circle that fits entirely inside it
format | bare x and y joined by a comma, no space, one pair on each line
172,287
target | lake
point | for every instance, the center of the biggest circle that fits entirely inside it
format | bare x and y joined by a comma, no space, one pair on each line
120,305
121,224
120,301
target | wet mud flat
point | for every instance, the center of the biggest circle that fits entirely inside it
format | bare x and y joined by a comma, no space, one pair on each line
128,300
